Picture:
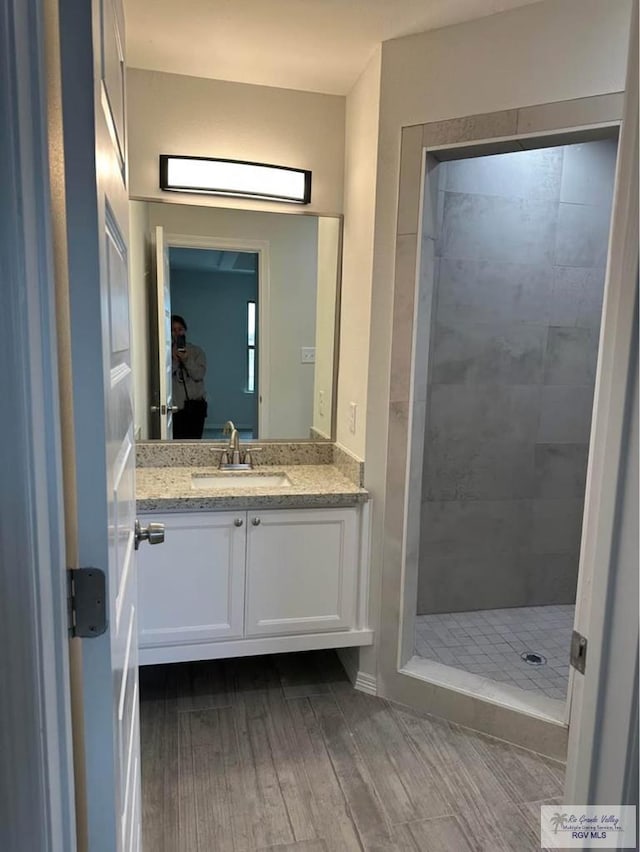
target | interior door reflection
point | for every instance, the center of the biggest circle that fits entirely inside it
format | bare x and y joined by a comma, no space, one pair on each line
215,345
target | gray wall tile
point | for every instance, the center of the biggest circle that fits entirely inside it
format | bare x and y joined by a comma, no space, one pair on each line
560,470
464,528
488,353
551,578
588,172
575,296
457,470
454,584
435,175
571,356
403,308
524,174
565,414
483,413
556,525
486,291
410,173
484,126
583,235
512,357
577,113
482,227
425,319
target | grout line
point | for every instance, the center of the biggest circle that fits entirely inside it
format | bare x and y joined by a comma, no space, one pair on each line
204,709
453,815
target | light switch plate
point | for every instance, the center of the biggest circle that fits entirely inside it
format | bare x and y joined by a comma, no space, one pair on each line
321,403
308,355
353,408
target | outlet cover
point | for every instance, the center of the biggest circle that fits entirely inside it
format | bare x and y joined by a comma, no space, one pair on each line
308,355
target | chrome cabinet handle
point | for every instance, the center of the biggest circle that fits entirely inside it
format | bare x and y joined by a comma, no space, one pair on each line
154,534
238,522
255,522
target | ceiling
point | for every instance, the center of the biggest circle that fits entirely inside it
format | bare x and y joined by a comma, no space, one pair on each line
213,260
313,45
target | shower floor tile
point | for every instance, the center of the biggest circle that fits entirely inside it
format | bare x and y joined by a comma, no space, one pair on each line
490,642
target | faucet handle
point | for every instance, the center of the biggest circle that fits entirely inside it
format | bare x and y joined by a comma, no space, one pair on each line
248,454
224,456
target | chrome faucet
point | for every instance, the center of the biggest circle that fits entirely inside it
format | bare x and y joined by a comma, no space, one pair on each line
232,457
233,450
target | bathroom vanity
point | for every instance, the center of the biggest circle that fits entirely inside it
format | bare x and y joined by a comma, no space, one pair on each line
270,560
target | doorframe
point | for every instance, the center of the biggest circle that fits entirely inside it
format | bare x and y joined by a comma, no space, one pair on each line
527,703
429,687
38,801
262,249
602,761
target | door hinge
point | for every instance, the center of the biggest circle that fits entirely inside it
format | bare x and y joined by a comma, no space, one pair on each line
86,602
578,657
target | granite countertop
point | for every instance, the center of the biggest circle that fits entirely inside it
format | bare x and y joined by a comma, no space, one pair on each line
168,489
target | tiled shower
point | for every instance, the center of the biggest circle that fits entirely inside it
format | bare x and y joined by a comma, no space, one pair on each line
519,274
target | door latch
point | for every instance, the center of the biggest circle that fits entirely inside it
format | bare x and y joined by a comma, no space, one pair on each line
86,602
578,657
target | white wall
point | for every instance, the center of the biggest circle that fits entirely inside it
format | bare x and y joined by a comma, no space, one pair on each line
328,256
550,51
175,114
139,314
293,272
361,154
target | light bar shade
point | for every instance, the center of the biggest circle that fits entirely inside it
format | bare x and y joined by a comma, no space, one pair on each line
234,177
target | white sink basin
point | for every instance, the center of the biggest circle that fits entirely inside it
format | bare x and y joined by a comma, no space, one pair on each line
238,480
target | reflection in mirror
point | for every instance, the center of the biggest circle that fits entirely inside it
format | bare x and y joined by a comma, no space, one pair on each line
258,295
218,291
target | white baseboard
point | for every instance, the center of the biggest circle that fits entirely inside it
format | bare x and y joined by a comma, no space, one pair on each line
366,683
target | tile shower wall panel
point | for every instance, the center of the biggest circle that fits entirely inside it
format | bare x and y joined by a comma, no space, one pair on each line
520,243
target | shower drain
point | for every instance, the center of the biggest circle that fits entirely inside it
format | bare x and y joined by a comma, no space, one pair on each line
533,659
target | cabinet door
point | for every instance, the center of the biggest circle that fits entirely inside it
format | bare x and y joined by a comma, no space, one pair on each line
301,571
191,588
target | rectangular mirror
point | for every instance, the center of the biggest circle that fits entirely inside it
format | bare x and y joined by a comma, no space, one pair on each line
256,296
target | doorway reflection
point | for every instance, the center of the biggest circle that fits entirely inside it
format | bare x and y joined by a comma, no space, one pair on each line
217,293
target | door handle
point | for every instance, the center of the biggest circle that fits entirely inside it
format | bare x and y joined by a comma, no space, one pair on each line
255,522
164,409
154,534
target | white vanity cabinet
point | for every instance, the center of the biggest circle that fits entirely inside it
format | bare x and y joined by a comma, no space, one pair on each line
301,571
235,583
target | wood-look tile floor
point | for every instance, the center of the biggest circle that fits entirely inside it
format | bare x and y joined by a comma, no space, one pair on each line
280,753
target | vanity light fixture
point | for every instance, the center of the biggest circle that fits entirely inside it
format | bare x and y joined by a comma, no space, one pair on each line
213,176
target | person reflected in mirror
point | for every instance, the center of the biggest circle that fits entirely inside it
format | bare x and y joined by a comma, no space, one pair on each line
189,366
